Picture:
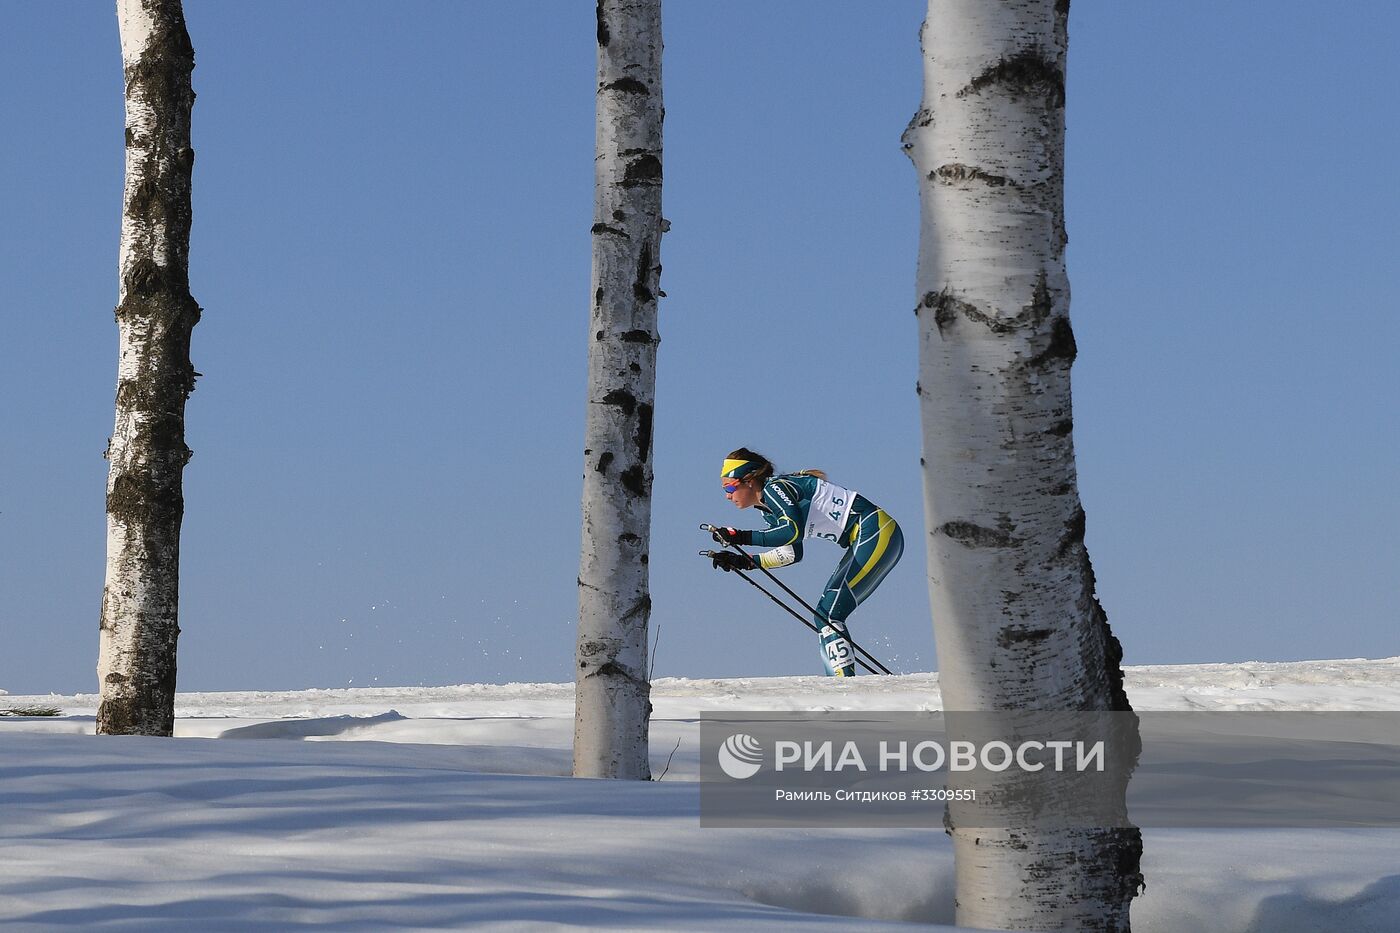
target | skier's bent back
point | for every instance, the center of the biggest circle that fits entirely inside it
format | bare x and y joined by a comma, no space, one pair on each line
807,505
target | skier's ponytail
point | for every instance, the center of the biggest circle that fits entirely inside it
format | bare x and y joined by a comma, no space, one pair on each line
819,474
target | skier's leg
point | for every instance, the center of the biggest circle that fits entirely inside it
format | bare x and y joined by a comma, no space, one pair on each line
877,547
836,603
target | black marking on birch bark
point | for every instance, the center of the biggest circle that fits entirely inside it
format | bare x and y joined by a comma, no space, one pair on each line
972,535
598,296
1063,489
1030,72
643,171
641,289
619,216
591,649
922,117
1073,538
622,399
627,86
1062,7
955,173
628,538
615,231
143,194
614,670
132,714
604,462
634,480
642,606
919,389
1010,637
604,37
1127,844
152,392
1061,428
1122,845
1113,656
638,336
1112,648
1060,347
598,335
143,278
162,73
148,499
644,413
947,307
167,287
1042,302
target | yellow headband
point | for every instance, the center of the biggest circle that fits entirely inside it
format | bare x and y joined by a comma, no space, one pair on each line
734,469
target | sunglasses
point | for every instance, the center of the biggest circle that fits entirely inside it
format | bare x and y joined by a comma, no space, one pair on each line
731,488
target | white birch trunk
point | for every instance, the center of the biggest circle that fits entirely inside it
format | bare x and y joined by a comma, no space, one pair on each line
612,705
155,314
1016,619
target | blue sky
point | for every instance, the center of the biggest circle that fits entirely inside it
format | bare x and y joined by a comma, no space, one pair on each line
391,246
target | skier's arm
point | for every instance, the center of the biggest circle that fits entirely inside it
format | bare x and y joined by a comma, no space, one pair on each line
784,519
780,557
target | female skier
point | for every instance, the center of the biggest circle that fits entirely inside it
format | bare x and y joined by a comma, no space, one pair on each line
806,505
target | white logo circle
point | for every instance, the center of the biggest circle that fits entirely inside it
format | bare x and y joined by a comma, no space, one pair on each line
740,756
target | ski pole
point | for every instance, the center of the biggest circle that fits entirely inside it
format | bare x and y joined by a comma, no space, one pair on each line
714,533
793,612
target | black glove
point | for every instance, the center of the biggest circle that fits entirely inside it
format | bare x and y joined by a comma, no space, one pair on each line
728,560
731,536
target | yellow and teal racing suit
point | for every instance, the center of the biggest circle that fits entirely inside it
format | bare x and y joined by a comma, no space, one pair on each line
797,506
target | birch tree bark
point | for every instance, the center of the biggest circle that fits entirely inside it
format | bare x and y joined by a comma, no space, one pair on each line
612,701
1016,620
145,501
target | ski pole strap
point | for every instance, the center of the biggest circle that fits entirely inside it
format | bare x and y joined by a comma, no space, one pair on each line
714,533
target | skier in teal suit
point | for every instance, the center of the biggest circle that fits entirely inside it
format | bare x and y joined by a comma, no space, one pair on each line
807,505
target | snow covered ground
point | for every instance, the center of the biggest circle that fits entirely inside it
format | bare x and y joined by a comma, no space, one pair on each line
448,807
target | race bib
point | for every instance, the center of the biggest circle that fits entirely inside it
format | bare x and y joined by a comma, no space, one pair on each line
831,506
